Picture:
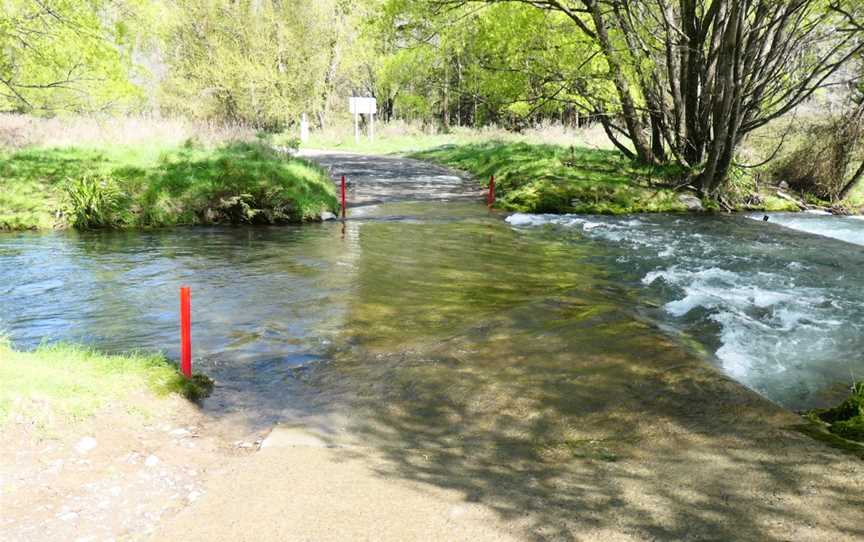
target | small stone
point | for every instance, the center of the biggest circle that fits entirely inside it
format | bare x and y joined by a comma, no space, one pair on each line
151,461
327,215
193,496
179,432
783,185
692,203
85,445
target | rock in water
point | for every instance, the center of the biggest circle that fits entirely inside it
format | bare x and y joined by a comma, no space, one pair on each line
691,202
327,215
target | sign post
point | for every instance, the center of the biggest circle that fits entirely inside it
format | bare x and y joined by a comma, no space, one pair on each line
363,106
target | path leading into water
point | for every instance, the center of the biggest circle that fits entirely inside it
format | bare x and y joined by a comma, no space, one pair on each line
377,179
527,403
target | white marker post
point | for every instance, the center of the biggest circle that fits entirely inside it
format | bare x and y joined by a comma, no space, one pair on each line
304,129
363,106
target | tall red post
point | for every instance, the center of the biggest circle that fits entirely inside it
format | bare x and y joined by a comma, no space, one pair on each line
186,331
343,197
490,197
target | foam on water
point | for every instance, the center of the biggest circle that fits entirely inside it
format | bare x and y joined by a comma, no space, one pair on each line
777,316
845,228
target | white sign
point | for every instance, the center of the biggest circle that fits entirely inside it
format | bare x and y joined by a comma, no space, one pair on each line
362,106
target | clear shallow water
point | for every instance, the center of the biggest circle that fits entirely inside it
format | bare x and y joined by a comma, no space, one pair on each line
777,309
780,310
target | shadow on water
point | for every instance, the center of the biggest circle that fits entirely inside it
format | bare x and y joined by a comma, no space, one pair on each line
508,368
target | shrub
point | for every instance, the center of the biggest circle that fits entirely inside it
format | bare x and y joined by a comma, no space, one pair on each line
847,419
820,165
238,183
95,201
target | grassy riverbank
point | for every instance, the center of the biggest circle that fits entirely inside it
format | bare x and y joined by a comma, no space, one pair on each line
553,169
150,185
555,179
541,178
70,383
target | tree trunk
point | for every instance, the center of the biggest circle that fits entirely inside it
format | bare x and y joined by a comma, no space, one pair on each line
445,102
628,107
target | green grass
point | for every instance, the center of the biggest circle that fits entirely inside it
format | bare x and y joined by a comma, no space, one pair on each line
847,419
556,179
72,382
151,186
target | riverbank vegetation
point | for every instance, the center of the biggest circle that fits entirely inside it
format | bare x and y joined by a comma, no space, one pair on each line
554,179
64,383
847,419
117,186
679,87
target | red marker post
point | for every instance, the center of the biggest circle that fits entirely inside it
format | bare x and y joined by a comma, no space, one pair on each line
343,197
490,197
186,331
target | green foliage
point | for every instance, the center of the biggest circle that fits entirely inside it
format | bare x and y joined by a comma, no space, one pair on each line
128,187
256,62
68,55
238,183
95,201
847,419
197,388
820,165
553,179
492,65
73,382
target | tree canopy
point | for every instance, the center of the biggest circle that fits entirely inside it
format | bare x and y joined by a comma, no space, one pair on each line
680,81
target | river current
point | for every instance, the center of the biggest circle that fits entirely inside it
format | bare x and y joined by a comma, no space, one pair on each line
777,305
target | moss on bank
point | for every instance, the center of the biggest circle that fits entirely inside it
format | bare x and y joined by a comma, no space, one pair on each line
72,382
847,419
118,187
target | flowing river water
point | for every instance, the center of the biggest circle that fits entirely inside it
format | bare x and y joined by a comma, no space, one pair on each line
776,306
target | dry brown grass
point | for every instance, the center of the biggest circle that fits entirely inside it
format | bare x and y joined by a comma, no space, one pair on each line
18,131
400,136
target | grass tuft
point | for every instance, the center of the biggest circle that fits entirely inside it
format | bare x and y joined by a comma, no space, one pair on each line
847,419
72,382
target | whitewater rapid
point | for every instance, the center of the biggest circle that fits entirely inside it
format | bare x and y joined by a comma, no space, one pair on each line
780,310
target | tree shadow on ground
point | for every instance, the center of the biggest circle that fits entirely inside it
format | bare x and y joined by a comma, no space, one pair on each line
564,412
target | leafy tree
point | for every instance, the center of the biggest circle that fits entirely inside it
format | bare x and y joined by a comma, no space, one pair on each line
262,62
68,55
692,78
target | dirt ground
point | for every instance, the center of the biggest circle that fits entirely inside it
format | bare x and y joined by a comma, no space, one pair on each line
113,476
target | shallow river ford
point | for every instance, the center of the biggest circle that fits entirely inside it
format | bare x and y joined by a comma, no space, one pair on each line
778,306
